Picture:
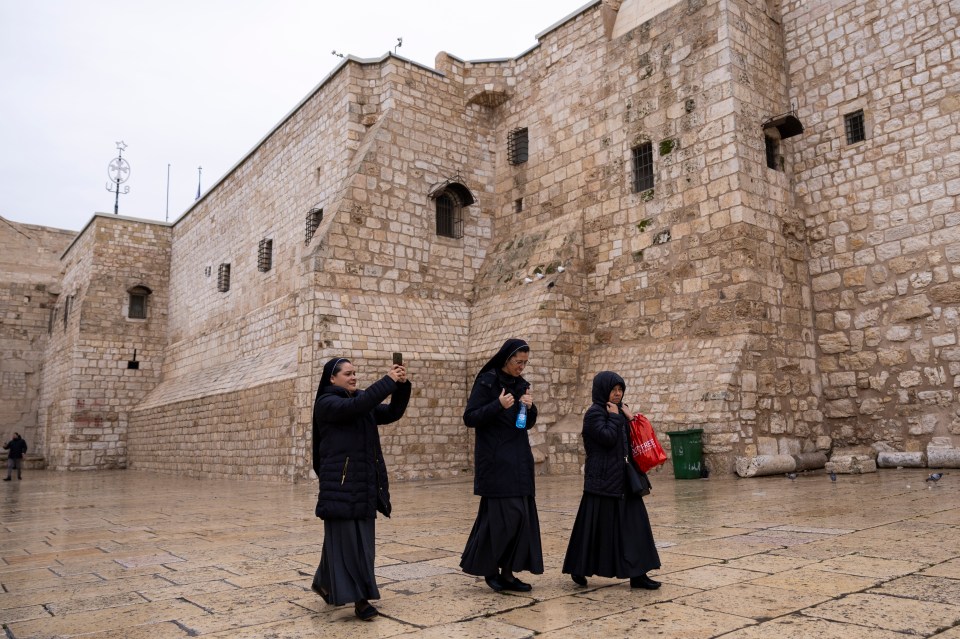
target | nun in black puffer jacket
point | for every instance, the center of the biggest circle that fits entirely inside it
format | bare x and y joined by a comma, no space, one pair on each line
611,536
506,534
348,461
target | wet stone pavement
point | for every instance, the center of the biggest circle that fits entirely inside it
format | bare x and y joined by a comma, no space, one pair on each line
132,555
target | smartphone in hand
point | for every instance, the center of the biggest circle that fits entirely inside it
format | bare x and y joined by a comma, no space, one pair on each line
398,359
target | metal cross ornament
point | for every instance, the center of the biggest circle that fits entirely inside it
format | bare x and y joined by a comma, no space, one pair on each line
119,172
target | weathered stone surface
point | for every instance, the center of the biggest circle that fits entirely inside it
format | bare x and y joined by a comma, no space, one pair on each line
911,308
810,461
765,465
901,459
938,457
946,293
851,464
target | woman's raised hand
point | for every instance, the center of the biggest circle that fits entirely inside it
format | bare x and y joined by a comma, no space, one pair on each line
613,408
506,399
626,411
397,373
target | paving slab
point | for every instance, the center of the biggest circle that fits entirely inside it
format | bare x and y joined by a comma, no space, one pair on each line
103,555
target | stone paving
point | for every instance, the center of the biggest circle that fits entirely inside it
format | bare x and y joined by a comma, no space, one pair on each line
133,555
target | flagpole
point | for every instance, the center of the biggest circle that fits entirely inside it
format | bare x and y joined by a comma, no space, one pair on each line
166,217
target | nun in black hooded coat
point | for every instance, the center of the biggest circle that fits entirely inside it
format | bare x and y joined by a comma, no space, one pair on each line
611,536
506,535
348,461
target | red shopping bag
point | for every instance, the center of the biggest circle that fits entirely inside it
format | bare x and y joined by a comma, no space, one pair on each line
644,447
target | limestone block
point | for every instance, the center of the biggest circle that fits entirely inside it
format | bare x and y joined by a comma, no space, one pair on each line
765,465
851,464
810,461
938,457
824,442
896,459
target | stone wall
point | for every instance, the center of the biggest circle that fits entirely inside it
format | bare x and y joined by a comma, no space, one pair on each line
882,214
30,263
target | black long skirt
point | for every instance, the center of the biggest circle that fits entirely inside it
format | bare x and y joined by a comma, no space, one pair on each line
506,535
346,562
611,538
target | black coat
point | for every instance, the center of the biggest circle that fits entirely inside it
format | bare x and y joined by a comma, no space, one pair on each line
606,439
503,460
17,447
347,457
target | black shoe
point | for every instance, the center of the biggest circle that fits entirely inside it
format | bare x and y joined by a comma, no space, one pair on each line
6,479
320,591
495,583
515,585
580,580
644,582
364,610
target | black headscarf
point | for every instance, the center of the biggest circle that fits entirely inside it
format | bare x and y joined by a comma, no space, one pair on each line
506,351
329,370
603,383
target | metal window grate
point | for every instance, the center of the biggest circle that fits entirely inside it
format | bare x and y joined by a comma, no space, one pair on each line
773,153
314,217
518,146
138,306
265,255
643,167
854,127
449,216
223,278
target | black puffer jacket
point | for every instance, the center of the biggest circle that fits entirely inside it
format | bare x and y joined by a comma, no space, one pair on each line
17,447
606,440
502,455
347,457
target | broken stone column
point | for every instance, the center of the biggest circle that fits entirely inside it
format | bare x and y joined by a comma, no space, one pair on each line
765,465
810,461
898,459
942,457
854,464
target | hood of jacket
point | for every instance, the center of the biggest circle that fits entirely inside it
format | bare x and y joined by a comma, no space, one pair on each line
603,383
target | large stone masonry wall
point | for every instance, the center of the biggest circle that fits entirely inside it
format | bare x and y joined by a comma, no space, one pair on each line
30,263
92,387
882,214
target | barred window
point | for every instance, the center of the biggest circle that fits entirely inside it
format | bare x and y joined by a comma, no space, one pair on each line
642,167
314,217
854,127
449,215
223,278
265,255
518,146
137,302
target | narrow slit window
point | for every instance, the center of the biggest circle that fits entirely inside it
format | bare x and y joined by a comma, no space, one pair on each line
223,278
314,217
643,167
449,215
854,127
265,255
773,153
518,146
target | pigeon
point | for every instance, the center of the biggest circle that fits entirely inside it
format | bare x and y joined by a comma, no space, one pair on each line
935,477
791,476
833,476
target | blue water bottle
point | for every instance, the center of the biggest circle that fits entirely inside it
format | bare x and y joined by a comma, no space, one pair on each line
522,416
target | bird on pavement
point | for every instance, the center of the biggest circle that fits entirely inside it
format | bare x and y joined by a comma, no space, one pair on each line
791,476
833,476
934,477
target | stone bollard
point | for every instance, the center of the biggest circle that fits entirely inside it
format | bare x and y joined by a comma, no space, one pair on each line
897,459
765,465
810,461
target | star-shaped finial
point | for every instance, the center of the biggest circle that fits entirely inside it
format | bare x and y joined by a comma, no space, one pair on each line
121,146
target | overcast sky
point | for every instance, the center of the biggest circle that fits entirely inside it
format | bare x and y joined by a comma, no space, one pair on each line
195,83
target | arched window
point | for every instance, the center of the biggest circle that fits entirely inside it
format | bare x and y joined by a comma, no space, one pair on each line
137,305
450,199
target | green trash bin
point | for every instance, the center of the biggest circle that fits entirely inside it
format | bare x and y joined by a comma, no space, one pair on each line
686,450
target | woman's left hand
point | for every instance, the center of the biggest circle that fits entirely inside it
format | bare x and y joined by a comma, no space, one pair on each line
626,412
527,399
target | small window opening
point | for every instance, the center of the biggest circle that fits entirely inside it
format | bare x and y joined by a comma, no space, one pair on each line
643,167
314,217
774,159
223,278
137,306
133,364
265,255
518,146
67,303
518,205
854,127
207,271
449,215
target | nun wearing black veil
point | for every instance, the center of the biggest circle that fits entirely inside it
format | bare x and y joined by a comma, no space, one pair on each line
348,461
506,534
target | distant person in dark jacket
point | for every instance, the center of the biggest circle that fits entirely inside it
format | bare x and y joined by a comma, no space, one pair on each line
348,461
506,535
18,448
611,536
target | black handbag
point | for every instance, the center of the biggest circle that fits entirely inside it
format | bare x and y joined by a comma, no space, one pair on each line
637,482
